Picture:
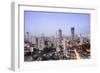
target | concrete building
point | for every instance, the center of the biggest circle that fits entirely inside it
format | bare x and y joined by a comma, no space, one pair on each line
60,37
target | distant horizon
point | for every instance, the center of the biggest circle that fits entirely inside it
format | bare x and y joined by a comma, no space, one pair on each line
39,35
50,22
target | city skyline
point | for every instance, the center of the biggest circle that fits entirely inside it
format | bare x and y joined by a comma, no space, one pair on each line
50,22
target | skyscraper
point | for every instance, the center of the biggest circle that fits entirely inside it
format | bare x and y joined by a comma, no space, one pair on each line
27,36
60,36
72,33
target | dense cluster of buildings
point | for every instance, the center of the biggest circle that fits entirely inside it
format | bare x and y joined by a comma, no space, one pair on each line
56,47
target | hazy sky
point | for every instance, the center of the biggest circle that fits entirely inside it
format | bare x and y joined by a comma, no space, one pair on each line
50,22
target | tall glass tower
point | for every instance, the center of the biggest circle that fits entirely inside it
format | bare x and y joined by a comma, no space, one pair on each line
72,33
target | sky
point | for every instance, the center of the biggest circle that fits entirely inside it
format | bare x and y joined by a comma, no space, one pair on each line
49,23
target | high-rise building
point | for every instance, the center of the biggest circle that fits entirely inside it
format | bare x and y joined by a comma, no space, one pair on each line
64,43
60,36
40,43
72,33
27,36
35,42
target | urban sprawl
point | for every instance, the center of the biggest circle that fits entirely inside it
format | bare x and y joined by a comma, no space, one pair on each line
59,47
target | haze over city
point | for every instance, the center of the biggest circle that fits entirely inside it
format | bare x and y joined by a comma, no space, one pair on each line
49,22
